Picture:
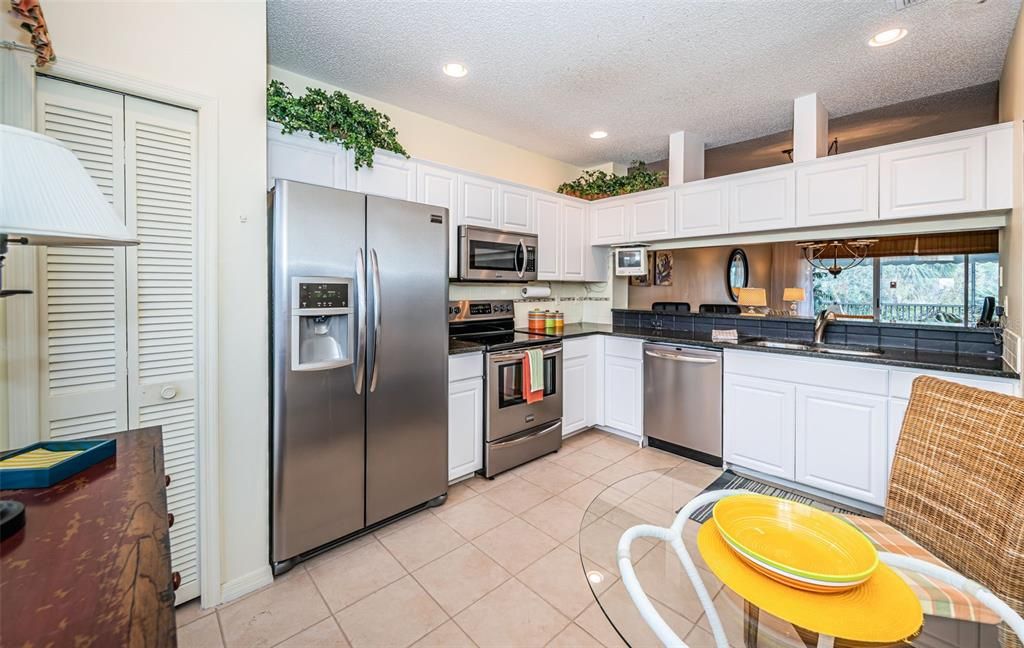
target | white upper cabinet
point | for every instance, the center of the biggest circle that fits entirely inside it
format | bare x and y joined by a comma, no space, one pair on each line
478,202
547,212
440,187
999,169
837,191
762,200
391,176
610,222
298,157
946,177
576,248
653,215
702,208
516,213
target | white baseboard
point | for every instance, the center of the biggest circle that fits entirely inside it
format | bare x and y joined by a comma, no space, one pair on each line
619,433
243,585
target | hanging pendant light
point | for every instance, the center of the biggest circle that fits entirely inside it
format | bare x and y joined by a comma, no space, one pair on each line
825,255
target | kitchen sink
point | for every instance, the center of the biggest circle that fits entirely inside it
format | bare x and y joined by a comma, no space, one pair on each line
816,348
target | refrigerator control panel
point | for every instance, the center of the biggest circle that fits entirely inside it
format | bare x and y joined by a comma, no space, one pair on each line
323,295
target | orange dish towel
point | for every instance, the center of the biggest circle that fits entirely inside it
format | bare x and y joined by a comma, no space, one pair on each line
534,358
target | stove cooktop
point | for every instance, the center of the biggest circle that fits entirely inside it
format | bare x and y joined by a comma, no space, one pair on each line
506,340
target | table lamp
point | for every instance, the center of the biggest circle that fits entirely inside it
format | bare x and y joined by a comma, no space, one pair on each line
793,296
47,198
753,298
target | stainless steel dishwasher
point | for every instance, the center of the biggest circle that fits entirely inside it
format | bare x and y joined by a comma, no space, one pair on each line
683,400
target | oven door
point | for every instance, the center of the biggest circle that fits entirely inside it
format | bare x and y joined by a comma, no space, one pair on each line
507,409
491,255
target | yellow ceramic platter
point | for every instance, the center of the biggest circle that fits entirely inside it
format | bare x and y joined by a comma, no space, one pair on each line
795,539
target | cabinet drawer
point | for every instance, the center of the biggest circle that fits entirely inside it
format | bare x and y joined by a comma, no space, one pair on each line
903,380
461,367
624,348
576,348
839,374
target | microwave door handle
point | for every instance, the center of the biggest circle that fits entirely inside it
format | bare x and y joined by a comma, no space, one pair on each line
359,368
377,328
520,252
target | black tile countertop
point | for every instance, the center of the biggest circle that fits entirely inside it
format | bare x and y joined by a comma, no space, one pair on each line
455,347
966,363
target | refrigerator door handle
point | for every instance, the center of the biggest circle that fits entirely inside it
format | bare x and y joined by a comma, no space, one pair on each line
377,330
359,368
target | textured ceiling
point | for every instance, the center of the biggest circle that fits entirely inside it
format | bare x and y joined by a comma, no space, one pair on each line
542,75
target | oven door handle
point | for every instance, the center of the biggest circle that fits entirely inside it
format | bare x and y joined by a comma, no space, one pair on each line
524,439
519,356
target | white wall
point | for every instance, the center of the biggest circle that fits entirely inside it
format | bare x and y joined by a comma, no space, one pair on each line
431,139
1011,108
216,49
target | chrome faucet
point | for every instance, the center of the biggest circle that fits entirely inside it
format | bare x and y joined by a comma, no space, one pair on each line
820,322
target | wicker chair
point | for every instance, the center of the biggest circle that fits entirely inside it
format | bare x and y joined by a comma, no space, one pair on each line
957,484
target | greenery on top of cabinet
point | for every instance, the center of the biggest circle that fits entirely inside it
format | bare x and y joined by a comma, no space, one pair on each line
334,117
594,185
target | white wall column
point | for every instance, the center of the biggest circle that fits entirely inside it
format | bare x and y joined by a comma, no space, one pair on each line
685,158
810,128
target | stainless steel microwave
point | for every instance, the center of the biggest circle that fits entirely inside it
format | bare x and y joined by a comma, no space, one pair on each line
494,255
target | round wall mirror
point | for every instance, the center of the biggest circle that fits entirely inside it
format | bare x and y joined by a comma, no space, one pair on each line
736,273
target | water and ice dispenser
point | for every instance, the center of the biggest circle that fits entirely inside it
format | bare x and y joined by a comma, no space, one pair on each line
322,319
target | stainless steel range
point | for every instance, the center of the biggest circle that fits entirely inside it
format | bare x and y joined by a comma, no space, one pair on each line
514,431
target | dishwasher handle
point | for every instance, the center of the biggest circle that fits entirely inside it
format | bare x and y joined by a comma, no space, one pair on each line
681,358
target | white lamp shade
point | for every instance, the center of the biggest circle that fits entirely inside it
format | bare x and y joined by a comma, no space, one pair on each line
47,197
793,295
753,297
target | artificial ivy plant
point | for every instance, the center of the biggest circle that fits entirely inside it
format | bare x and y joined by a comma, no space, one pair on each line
594,185
334,117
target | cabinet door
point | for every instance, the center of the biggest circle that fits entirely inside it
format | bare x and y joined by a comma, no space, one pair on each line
441,187
478,202
303,159
654,217
465,427
574,394
516,210
841,443
897,411
999,169
391,176
575,243
932,179
757,417
549,238
610,223
702,209
840,191
762,201
623,394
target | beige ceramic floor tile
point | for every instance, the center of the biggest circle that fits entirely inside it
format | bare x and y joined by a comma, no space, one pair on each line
517,495
515,544
583,462
482,484
395,616
583,439
460,578
457,493
403,523
596,624
574,637
583,493
650,459
599,542
556,517
630,624
695,473
666,581
613,448
325,634
201,633
633,511
553,477
474,517
511,615
560,580
614,474
428,539
449,635
668,493
274,613
353,575
189,612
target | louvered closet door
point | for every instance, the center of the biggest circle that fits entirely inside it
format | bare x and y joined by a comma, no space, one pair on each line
83,340
160,174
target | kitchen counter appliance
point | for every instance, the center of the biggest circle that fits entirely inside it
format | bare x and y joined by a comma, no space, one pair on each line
514,431
683,401
358,362
495,255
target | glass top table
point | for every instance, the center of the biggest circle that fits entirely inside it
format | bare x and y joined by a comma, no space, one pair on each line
653,497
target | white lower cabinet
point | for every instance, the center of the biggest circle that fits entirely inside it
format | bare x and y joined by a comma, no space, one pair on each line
624,385
574,394
841,443
465,415
758,424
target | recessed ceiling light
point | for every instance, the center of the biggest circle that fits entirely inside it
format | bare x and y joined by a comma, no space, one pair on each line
598,135
457,70
888,37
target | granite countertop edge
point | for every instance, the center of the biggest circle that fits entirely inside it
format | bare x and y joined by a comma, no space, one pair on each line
893,357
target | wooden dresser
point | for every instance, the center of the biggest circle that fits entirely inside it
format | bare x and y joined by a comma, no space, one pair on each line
92,566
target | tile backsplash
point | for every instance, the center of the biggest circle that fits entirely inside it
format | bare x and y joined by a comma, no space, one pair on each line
581,302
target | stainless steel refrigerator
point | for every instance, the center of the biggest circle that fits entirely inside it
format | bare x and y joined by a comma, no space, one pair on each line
358,362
